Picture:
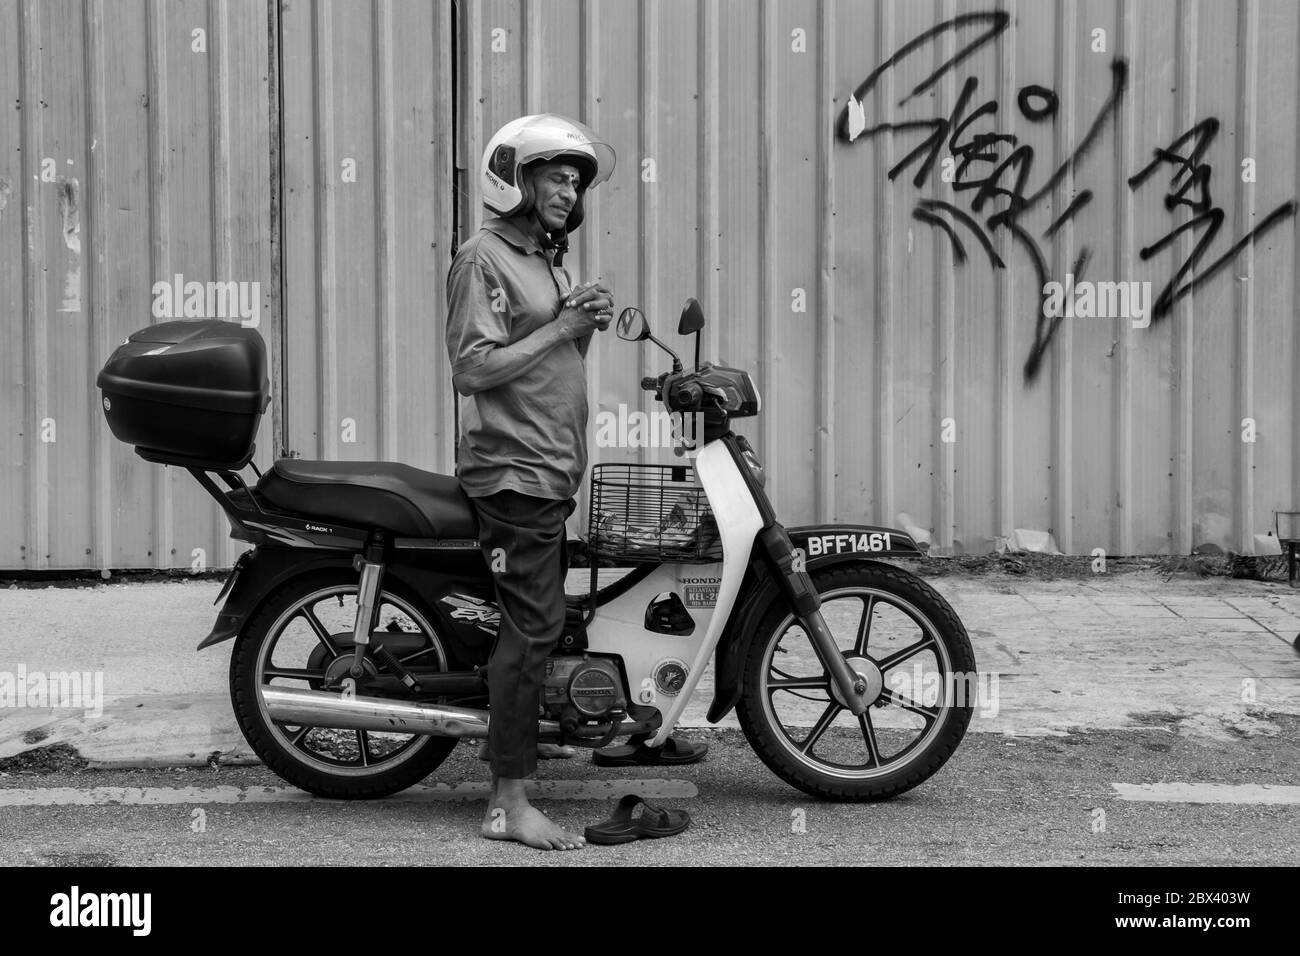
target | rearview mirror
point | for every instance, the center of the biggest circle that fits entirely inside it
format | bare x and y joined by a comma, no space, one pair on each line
692,319
632,325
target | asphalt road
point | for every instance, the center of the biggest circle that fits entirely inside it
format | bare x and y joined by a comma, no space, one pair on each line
999,801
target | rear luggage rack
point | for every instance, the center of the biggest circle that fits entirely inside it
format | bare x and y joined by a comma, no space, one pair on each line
164,458
252,522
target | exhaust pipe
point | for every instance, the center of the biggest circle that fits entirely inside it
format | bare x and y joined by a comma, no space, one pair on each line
318,708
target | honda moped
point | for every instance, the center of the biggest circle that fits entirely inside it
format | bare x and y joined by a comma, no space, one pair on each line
363,615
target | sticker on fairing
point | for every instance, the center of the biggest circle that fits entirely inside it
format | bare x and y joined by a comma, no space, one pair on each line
701,592
670,676
486,617
819,544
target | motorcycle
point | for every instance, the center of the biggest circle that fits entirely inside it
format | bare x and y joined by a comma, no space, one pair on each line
364,614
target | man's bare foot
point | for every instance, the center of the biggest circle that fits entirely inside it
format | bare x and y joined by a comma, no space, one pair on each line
530,826
511,817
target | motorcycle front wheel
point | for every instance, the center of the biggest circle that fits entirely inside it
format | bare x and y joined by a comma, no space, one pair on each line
302,638
906,641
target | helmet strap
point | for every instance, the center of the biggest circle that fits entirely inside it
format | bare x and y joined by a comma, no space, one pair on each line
548,240
561,246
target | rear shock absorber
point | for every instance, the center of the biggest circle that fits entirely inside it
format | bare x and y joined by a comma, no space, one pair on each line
371,565
386,658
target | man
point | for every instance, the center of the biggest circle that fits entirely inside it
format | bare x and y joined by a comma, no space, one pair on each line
517,337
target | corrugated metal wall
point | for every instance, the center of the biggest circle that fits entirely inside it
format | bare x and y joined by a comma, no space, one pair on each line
845,288
891,324
134,147
368,230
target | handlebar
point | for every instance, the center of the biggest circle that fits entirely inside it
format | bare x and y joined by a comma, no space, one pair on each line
681,395
687,395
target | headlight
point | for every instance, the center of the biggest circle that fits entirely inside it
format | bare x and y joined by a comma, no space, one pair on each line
733,389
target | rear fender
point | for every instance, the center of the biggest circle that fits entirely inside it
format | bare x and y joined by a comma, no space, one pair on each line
259,573
822,546
437,576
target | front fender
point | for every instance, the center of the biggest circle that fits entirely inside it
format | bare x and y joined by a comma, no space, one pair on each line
256,575
822,546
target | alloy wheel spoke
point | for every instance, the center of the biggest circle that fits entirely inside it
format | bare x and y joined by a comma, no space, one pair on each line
864,626
363,743
869,738
799,683
896,658
828,715
929,714
322,635
300,735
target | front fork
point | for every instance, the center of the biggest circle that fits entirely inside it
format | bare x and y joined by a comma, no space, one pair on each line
806,604
797,586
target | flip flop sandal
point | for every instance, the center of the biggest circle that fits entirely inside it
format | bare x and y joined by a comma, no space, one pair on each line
653,823
674,752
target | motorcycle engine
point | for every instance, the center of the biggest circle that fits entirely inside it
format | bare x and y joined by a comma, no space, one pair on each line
590,686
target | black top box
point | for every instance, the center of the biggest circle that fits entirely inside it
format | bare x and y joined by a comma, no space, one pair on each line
189,392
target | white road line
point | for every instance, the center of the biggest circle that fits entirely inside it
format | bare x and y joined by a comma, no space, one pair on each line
1207,793
436,793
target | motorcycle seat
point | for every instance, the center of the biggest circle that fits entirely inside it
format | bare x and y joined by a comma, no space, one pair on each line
379,494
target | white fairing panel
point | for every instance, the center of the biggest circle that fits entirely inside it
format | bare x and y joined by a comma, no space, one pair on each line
619,627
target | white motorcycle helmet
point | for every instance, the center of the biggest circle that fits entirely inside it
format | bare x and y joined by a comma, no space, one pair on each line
529,139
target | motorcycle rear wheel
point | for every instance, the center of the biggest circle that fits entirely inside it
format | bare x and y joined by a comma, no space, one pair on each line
871,757
343,764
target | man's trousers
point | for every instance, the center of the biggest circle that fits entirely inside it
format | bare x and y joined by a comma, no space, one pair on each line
523,542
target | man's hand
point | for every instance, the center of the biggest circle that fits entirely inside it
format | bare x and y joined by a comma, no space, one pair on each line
589,308
591,312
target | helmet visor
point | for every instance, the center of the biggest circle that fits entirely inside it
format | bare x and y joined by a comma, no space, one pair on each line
579,139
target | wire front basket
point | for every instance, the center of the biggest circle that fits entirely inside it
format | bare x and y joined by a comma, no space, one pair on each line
651,513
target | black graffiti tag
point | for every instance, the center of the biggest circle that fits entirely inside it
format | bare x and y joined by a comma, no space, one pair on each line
1189,187
998,184
993,169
